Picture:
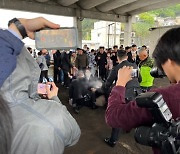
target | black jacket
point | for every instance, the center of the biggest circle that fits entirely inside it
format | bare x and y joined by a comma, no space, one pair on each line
65,61
131,87
78,88
57,60
103,59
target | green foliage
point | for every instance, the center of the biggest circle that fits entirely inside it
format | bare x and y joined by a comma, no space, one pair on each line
171,11
147,17
146,20
87,25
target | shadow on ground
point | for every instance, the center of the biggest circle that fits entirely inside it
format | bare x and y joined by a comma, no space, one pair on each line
94,130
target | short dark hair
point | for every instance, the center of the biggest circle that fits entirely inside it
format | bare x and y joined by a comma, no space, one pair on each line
101,47
134,45
92,50
121,54
115,46
5,127
168,47
127,47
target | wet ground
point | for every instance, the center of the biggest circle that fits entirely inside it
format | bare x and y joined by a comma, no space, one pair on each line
94,130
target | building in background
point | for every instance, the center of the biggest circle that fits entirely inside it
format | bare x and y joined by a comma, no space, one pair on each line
106,34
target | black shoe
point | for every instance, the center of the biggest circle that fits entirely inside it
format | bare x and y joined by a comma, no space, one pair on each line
109,142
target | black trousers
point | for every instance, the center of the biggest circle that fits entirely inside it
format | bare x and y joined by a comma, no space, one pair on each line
56,75
102,72
66,78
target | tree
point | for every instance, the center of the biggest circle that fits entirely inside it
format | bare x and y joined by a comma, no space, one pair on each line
87,26
146,20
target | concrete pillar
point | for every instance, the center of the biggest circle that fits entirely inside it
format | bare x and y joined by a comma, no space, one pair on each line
78,24
127,32
115,34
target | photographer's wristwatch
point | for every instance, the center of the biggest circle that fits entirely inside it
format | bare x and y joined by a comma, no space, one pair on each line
19,26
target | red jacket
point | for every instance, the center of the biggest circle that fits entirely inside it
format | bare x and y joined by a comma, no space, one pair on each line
128,116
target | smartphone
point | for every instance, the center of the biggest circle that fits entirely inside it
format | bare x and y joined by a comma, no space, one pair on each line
41,89
63,38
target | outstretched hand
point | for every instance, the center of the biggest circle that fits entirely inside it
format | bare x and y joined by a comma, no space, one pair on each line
32,25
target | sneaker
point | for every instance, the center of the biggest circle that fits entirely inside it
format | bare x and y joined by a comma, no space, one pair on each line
109,142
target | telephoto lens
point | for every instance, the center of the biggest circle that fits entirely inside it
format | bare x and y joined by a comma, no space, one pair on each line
142,135
157,73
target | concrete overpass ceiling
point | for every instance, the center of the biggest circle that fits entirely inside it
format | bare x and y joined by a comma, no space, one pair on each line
88,4
155,6
110,10
112,4
135,5
67,2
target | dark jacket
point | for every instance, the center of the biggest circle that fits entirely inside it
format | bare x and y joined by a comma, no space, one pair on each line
81,61
57,59
78,88
114,59
65,62
103,59
131,86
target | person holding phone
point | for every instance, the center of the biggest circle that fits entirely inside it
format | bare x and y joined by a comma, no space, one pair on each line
39,125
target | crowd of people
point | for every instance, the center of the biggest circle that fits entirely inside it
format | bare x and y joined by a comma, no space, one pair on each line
42,124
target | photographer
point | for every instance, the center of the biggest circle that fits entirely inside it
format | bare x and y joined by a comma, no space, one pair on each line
132,88
128,116
39,125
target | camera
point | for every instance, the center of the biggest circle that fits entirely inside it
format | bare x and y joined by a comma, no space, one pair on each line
165,132
135,73
157,73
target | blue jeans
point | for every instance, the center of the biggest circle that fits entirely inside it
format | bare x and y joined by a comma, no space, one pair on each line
61,76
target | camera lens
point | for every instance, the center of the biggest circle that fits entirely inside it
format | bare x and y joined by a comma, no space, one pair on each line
142,135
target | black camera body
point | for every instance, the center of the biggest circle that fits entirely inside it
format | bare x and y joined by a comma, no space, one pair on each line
165,132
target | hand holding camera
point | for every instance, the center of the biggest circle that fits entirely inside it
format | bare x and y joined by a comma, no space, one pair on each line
48,90
124,75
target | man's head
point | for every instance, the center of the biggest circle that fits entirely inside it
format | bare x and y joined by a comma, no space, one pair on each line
80,74
44,51
115,47
121,55
5,127
80,51
101,49
127,49
143,54
134,47
167,54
